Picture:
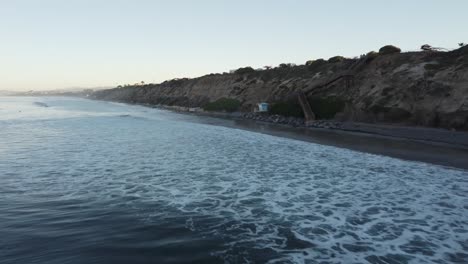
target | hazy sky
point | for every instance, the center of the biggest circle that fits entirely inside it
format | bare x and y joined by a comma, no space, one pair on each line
49,44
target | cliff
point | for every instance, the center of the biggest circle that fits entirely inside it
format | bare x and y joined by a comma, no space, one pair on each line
415,88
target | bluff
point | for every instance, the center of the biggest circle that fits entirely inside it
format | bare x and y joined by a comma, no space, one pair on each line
428,88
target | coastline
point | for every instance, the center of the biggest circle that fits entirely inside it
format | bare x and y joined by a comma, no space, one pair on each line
430,145
428,135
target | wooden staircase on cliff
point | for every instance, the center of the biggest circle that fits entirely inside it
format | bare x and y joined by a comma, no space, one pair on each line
309,116
347,76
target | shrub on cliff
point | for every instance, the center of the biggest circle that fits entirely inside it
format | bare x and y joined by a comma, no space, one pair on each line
326,107
290,108
389,49
244,70
323,107
315,63
286,65
223,104
336,59
372,54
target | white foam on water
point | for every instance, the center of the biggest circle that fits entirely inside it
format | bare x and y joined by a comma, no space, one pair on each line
293,201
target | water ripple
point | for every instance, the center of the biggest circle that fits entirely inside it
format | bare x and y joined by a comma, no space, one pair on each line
99,188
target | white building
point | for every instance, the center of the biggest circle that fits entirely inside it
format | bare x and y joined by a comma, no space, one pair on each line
262,107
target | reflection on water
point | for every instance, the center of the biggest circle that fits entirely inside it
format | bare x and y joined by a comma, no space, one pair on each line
96,182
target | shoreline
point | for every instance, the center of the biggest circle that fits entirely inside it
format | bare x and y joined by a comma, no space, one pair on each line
391,144
428,135
431,145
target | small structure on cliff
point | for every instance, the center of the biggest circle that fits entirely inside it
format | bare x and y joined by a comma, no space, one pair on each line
262,107
427,47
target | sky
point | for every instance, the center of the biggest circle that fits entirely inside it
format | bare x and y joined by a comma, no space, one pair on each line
56,44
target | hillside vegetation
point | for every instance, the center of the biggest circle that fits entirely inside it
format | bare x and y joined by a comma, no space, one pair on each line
414,88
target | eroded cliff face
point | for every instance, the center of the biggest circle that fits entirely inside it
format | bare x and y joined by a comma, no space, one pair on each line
419,88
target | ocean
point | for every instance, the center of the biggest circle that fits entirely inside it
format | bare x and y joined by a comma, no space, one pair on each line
85,181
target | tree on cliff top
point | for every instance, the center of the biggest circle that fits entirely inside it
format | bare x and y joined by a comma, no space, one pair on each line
244,70
389,49
336,59
312,64
286,65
